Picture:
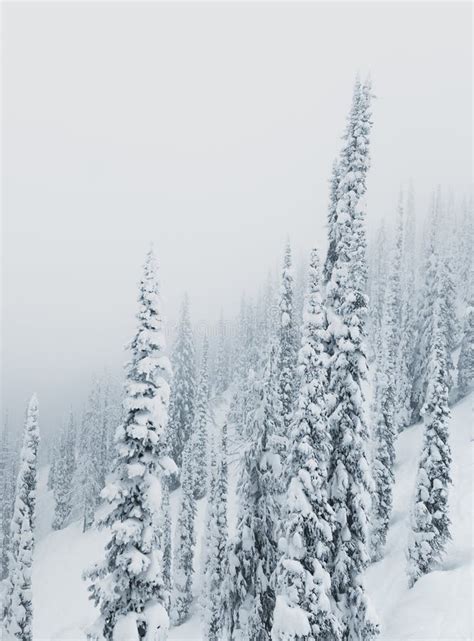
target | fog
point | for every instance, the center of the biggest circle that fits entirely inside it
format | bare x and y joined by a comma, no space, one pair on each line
209,130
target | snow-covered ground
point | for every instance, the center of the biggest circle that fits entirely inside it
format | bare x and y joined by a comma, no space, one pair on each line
438,607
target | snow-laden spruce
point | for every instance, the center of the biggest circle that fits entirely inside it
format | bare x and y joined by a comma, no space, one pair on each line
350,480
222,374
8,473
384,409
128,586
466,354
406,347
331,222
429,518
253,555
199,438
89,479
165,539
287,356
305,609
287,342
184,387
384,434
215,609
377,285
185,541
207,540
437,289
64,476
18,606
247,364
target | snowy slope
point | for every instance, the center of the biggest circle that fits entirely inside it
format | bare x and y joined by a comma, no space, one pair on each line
438,607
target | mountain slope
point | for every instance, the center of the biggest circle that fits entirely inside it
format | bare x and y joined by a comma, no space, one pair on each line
438,607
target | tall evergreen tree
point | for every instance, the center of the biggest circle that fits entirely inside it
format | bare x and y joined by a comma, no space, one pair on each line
466,354
200,437
299,300
463,250
254,553
185,541
377,284
222,367
432,289
304,608
7,495
430,521
165,540
208,538
246,396
184,387
385,409
90,473
331,223
349,473
64,476
287,357
287,341
18,611
384,434
406,347
53,457
128,586
217,557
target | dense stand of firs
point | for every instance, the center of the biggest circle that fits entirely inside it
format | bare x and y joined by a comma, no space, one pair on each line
275,399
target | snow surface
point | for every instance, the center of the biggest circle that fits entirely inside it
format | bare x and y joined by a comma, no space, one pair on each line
438,607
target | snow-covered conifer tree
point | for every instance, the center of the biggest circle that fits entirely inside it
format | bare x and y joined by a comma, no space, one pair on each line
222,367
7,496
270,312
299,299
331,223
199,437
287,342
384,434
90,473
431,290
128,587
466,354
165,539
377,284
305,609
384,416
184,387
248,365
349,474
254,552
207,542
64,476
464,245
430,521
185,541
406,347
53,455
18,607
449,302
216,570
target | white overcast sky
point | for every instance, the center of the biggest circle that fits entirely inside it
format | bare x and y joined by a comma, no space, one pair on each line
209,129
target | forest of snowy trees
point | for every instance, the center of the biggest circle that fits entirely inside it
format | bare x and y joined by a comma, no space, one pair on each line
336,357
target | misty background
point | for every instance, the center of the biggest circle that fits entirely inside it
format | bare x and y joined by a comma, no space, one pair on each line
209,130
